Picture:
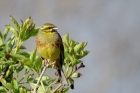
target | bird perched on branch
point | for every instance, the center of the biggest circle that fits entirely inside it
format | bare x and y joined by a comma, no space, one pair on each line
50,47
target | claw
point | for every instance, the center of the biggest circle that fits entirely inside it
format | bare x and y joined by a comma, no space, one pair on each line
44,62
54,64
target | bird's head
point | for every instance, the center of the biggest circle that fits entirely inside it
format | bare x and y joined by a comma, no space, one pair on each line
48,28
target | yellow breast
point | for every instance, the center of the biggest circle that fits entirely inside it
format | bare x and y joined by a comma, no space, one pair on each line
49,52
48,46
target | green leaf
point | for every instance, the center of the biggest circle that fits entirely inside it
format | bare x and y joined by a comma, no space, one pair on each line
26,23
6,32
35,31
22,89
45,79
80,47
38,63
50,90
33,56
51,81
71,50
9,73
1,46
78,61
2,54
6,63
15,23
27,68
40,90
1,37
7,48
70,71
26,54
30,78
84,53
28,36
3,89
66,89
1,34
1,42
30,27
14,84
32,32
5,84
18,57
13,41
76,75
66,39
3,81
14,31
23,59
60,90
22,47
74,61
71,80
10,44
28,62
20,68
22,33
27,29
10,39
72,43
33,85
68,56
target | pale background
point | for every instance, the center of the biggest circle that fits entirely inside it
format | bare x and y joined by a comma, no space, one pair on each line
111,28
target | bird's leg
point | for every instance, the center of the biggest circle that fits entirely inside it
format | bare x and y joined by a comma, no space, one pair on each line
59,80
58,74
53,64
44,62
59,77
75,68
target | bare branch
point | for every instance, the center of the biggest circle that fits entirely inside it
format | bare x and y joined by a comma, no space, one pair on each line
41,75
57,88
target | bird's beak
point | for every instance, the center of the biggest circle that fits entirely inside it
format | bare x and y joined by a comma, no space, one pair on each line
55,29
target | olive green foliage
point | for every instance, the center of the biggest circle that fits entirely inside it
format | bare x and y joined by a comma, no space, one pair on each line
14,60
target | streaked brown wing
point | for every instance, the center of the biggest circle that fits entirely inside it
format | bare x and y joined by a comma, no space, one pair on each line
61,50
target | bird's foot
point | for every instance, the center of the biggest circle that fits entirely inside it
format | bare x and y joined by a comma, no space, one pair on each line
59,80
45,62
53,64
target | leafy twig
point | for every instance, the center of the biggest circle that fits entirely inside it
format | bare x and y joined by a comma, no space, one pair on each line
41,75
81,65
4,72
57,88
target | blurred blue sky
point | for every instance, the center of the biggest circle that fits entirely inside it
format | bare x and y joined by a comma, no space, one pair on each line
111,28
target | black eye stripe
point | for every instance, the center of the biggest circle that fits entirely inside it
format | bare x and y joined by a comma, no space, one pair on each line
50,27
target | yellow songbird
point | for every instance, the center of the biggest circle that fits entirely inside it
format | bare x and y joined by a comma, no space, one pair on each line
50,47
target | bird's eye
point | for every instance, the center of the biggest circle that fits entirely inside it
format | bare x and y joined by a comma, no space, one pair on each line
49,28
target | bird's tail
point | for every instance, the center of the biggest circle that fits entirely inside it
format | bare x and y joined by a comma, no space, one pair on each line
62,77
